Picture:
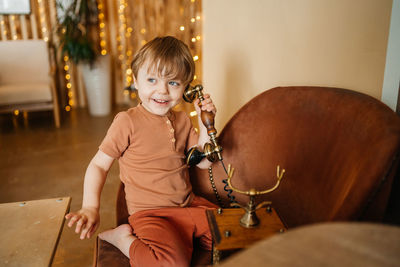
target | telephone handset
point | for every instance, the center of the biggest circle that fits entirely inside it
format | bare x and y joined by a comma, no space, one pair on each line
212,150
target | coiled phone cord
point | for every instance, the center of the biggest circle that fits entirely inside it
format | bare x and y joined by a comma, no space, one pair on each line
226,187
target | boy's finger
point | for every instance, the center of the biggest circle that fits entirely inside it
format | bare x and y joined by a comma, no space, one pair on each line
79,225
73,220
85,230
91,230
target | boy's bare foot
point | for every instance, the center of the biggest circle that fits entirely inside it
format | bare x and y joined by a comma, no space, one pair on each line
121,237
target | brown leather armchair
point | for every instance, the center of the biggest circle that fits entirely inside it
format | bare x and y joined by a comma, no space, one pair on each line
339,149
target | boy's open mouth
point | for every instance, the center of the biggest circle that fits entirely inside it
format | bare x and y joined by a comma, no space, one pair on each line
160,101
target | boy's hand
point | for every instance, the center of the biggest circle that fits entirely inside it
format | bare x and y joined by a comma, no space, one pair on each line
87,221
206,105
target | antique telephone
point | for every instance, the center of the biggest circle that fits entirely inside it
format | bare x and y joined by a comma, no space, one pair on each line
212,151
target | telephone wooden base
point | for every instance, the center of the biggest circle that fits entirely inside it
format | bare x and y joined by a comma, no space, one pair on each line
229,236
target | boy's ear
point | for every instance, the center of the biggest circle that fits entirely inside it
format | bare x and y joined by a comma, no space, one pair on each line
134,81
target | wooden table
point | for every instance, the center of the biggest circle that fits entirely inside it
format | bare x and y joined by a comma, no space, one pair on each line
328,245
230,236
30,231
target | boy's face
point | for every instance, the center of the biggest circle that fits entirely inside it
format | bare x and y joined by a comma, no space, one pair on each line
158,94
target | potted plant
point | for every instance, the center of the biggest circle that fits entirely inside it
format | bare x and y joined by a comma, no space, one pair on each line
78,38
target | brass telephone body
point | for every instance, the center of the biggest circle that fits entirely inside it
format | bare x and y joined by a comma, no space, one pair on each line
212,150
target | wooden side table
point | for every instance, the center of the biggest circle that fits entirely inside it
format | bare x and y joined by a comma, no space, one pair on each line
229,235
30,231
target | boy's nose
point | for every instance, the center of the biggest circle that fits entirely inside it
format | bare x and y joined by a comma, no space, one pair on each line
163,88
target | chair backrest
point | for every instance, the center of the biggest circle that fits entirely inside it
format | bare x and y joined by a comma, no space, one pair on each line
24,60
338,148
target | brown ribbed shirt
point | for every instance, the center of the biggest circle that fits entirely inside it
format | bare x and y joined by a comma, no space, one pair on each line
151,153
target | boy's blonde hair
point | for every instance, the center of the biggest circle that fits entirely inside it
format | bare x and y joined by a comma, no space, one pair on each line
168,56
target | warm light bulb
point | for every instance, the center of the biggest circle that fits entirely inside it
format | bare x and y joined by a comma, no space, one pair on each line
143,31
193,113
67,108
66,58
193,20
195,58
67,77
197,17
16,112
103,52
193,39
198,37
69,85
182,28
66,67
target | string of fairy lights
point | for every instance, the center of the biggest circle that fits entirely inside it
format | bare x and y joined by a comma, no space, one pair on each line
68,84
43,21
124,47
102,27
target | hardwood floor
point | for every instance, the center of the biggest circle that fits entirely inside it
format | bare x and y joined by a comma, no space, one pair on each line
38,161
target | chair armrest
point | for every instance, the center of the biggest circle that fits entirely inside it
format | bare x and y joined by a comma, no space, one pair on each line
107,255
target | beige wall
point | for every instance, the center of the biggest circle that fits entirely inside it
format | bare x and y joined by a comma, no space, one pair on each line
251,46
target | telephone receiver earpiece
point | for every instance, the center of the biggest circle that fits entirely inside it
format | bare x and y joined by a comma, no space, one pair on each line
192,92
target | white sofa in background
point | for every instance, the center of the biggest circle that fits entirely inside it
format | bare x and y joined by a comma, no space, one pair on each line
26,82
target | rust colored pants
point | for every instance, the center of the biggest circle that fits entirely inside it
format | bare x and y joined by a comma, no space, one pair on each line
165,236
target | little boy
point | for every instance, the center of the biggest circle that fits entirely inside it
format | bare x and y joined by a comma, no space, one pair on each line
150,142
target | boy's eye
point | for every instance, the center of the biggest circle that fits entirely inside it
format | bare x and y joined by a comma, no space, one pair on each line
151,80
173,83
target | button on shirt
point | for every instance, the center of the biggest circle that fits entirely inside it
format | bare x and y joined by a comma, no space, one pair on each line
151,154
